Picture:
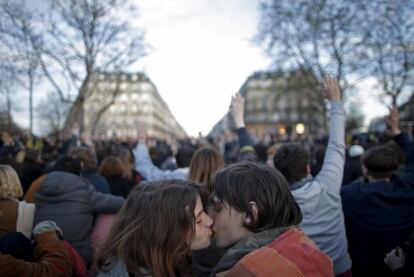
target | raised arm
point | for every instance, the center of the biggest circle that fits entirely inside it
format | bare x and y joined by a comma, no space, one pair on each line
237,112
333,165
402,139
144,165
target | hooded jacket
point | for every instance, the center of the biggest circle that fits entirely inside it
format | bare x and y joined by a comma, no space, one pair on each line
72,203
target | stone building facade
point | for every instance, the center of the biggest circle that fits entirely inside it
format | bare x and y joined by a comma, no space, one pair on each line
120,102
285,104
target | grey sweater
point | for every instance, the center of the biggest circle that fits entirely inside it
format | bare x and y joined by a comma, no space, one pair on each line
319,198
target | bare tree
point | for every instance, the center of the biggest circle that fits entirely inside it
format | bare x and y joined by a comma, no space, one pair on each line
83,38
349,39
389,29
18,40
313,34
53,113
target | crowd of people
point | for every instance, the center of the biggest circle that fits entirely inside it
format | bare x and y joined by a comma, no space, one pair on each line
240,208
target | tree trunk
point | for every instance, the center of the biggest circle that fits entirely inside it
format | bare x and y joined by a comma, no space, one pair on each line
30,103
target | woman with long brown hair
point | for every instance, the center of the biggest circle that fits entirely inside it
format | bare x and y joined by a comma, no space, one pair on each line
204,163
156,229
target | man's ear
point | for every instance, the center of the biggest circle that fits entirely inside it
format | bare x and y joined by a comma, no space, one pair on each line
254,210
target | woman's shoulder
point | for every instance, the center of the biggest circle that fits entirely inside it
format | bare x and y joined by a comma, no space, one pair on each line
115,268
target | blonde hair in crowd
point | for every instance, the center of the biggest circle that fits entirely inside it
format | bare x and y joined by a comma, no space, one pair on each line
10,185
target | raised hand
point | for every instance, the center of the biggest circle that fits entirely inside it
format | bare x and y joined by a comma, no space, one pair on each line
393,121
332,90
237,110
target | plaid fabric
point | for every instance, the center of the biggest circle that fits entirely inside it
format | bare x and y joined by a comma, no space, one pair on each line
291,254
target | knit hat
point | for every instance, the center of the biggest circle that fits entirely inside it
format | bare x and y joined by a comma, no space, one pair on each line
355,151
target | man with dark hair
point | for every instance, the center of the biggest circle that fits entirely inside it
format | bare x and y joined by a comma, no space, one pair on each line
256,216
319,197
379,212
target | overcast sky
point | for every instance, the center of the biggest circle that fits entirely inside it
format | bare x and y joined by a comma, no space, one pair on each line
201,55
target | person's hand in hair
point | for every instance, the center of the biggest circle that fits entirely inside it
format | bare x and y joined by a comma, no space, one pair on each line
393,121
237,110
395,259
332,90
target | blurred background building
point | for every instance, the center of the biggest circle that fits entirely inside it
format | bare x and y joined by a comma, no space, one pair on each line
287,104
120,102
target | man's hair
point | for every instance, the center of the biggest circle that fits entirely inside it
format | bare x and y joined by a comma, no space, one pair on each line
292,160
380,161
68,164
183,156
244,182
87,156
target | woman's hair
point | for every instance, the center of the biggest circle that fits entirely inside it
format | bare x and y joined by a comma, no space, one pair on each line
86,156
127,159
112,167
244,182
154,230
204,163
10,185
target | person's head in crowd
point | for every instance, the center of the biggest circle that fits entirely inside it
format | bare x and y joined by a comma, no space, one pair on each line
68,164
292,159
355,151
249,198
87,158
204,163
261,152
112,166
127,159
379,162
156,230
10,185
32,156
247,153
271,152
184,155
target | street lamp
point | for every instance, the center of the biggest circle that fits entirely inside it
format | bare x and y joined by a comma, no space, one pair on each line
300,128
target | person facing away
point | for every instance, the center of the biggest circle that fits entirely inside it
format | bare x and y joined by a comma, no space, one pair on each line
90,167
73,202
156,229
319,197
256,216
15,215
379,212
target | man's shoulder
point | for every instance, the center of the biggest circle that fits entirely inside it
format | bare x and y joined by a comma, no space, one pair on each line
285,255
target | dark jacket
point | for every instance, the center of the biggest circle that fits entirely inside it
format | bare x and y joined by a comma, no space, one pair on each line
379,216
72,203
119,185
98,181
51,257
